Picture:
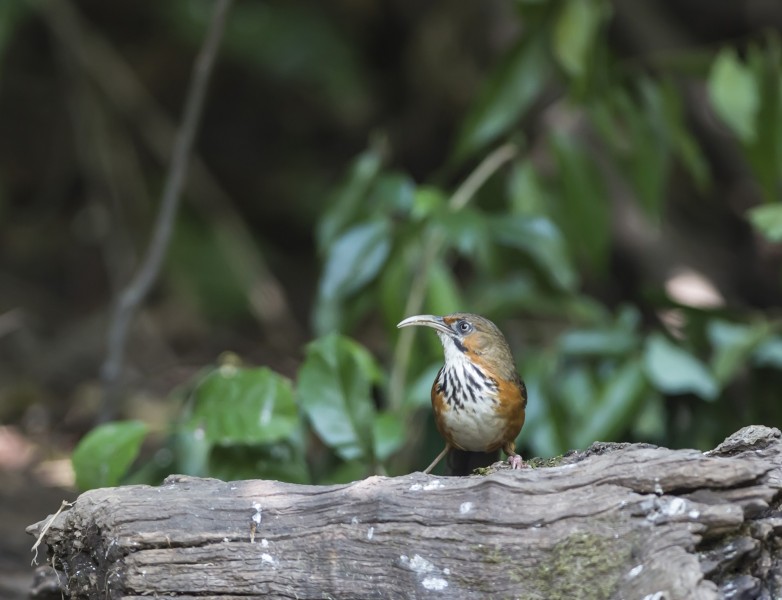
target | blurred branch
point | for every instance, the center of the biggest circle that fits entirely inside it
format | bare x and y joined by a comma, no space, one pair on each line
432,248
132,296
117,80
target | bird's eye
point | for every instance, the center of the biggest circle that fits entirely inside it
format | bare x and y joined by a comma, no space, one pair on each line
464,327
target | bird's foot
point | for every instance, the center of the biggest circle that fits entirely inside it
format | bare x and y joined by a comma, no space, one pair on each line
515,462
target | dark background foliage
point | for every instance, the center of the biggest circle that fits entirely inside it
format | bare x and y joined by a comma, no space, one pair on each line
600,178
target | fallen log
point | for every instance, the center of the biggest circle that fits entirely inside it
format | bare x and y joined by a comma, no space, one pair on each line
614,521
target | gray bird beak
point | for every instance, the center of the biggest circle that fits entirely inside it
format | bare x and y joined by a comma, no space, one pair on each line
432,321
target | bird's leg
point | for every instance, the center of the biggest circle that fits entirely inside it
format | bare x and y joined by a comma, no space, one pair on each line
438,459
514,459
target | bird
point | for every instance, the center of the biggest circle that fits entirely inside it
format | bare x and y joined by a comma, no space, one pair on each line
478,398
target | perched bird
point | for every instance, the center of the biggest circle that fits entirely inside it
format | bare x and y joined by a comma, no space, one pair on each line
478,397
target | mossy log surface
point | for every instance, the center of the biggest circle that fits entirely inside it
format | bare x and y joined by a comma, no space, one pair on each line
614,521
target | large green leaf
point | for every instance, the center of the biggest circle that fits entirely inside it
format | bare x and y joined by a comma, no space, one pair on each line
104,455
673,370
334,389
235,405
506,97
734,94
542,241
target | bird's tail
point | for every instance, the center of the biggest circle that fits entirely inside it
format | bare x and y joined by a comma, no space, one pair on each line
464,462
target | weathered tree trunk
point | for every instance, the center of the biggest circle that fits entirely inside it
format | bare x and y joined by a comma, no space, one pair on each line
615,521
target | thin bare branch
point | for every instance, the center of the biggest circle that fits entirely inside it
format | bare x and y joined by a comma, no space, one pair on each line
133,295
121,86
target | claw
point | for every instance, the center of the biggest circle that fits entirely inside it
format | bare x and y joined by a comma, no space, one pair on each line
515,462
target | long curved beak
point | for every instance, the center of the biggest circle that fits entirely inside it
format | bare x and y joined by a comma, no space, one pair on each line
432,321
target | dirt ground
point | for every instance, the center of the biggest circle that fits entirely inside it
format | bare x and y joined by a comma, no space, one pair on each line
24,499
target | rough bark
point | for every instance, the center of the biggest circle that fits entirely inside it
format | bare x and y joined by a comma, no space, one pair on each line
615,521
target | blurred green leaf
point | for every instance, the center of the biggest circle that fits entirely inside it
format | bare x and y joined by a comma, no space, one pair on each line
544,427
651,167
673,370
622,119
649,423
442,293
583,214
345,472
767,219
394,282
577,388
575,31
395,192
191,451
11,15
615,405
468,230
598,342
765,152
353,260
235,405
684,143
526,191
419,393
734,93
769,353
542,241
346,202
334,389
507,95
428,200
493,295
104,455
388,434
202,271
616,339
268,39
733,343
280,462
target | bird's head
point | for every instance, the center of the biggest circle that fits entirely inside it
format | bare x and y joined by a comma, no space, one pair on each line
470,336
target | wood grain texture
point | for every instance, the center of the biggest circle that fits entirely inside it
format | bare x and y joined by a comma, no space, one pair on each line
615,521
